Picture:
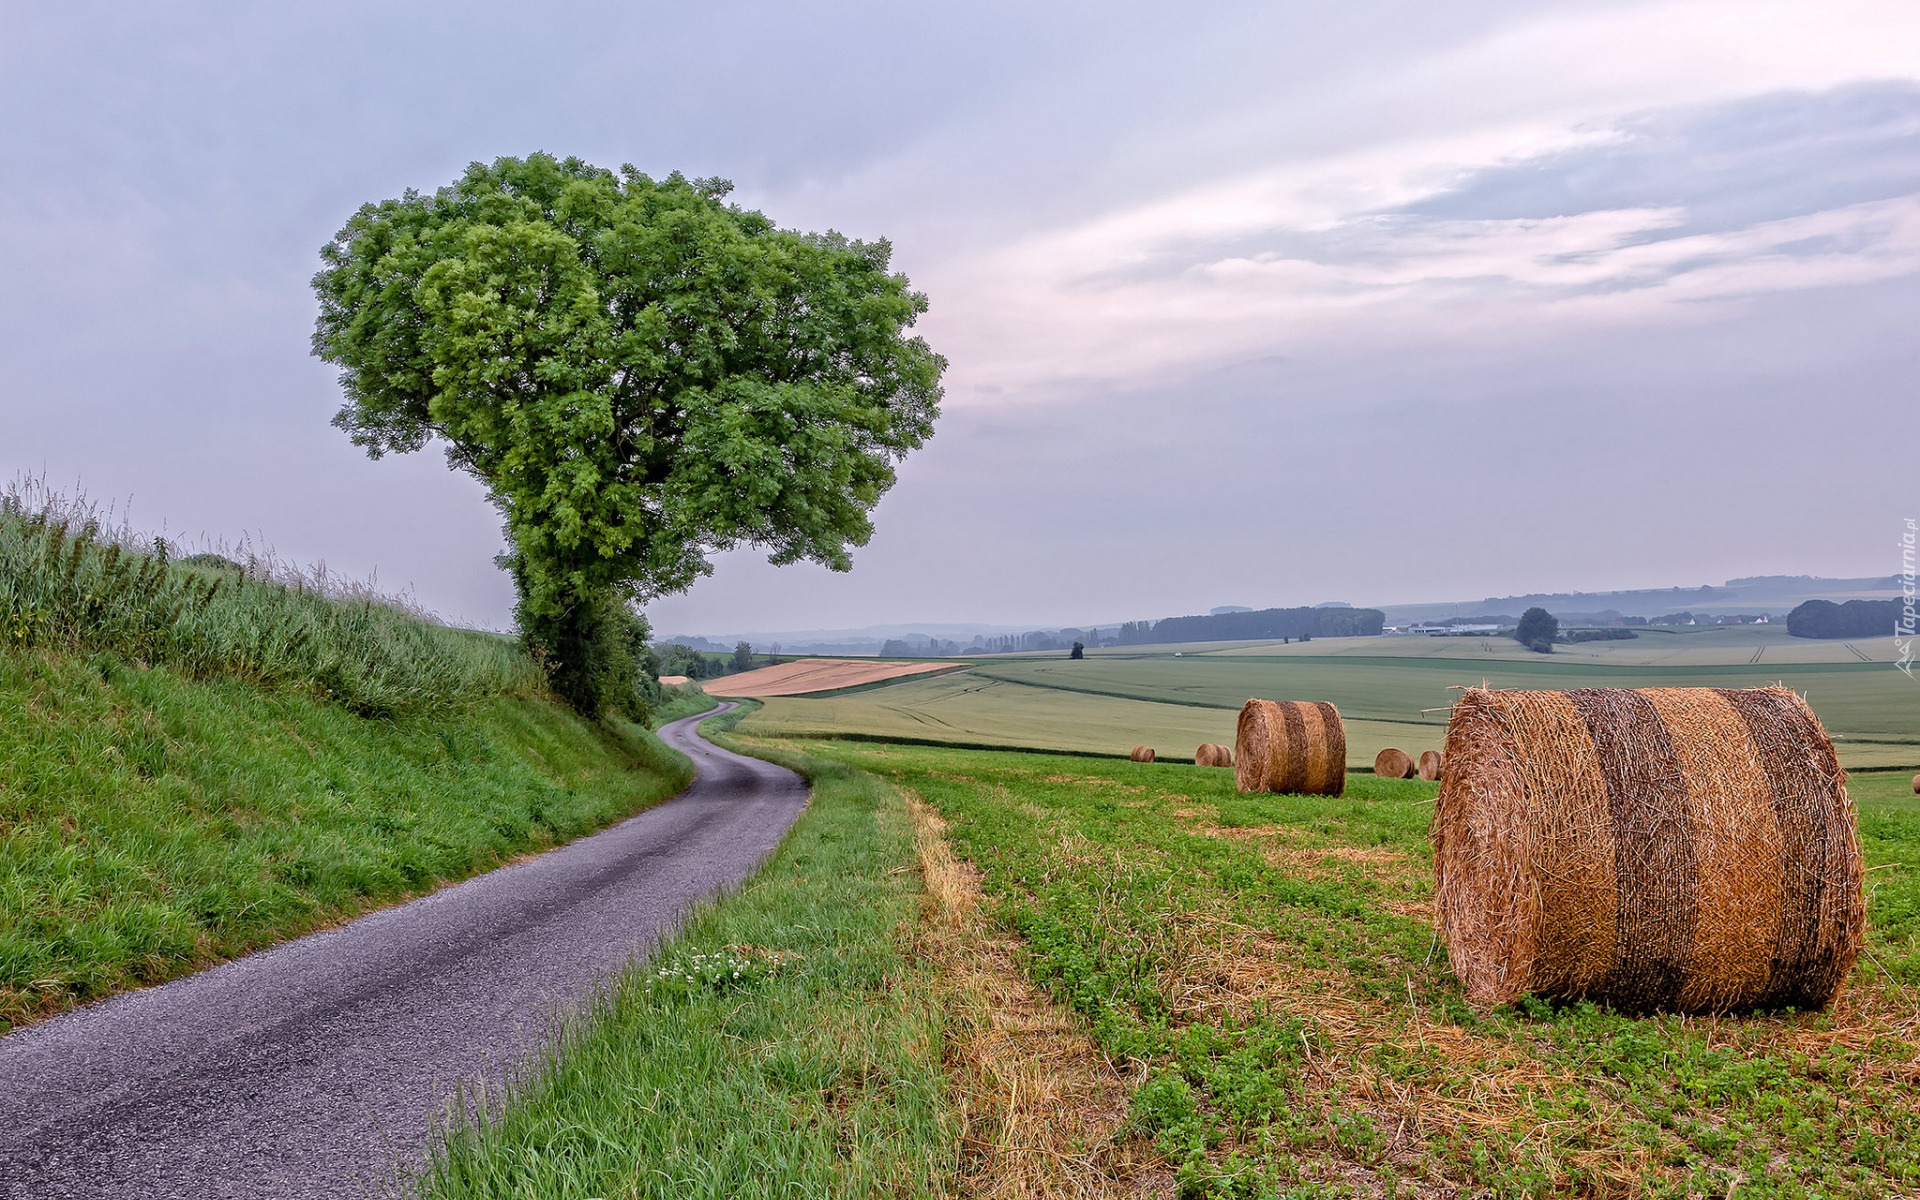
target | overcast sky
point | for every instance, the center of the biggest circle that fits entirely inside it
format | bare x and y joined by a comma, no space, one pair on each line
1278,304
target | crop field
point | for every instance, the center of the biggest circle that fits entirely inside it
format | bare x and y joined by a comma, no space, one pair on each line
1391,691
1262,972
1706,645
817,675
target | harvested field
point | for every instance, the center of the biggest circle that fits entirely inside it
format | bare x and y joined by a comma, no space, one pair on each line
808,675
1261,971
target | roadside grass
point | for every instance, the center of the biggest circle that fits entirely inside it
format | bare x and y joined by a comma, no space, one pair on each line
1265,967
786,1043
152,824
676,701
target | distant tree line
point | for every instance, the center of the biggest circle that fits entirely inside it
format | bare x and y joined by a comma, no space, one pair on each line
1609,634
673,658
1267,623
1855,618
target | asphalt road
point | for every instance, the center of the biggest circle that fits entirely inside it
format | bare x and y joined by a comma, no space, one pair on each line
315,1068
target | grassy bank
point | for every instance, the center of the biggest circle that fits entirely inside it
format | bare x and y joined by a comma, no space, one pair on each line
152,823
1266,966
785,1044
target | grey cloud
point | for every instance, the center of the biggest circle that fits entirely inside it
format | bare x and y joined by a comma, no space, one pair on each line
1727,166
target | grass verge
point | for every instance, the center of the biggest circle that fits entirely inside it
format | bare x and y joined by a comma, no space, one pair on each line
685,700
1265,968
786,1043
152,824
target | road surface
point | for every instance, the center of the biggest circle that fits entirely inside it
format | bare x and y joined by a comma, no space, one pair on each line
315,1068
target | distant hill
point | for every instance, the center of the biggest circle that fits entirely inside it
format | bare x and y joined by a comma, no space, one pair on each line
1756,595
1769,595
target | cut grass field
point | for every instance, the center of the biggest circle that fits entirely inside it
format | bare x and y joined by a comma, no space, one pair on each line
1109,702
152,824
1265,967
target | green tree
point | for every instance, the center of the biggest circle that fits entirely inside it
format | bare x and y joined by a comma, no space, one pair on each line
639,373
1537,629
676,659
1079,650
742,657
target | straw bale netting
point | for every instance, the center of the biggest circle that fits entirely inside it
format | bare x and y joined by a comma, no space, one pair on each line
1212,754
1142,754
1671,849
1291,746
1393,764
1429,767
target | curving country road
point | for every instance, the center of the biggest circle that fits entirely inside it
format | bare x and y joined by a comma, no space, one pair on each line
314,1068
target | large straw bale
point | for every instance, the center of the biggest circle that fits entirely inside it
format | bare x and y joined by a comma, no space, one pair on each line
1142,754
1429,765
1670,849
1291,746
1393,764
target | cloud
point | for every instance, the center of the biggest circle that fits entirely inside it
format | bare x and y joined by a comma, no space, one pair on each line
1504,233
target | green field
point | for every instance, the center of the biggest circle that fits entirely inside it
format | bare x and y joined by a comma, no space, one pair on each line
1392,691
1264,970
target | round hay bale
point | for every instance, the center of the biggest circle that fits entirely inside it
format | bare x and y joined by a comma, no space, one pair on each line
1212,754
1142,754
1429,768
1668,849
1393,764
1916,785
1292,746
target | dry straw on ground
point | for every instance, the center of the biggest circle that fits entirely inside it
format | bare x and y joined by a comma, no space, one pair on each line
1142,754
1044,1111
1669,849
1290,746
1429,767
1212,754
1393,764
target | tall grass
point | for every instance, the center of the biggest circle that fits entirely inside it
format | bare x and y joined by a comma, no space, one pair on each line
71,580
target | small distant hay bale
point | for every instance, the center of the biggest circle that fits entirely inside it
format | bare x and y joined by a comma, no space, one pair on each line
1212,754
1662,850
1429,768
1393,764
1916,785
1142,754
1292,746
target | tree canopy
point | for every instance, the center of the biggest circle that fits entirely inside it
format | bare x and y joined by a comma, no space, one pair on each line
639,373
1853,619
1537,629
